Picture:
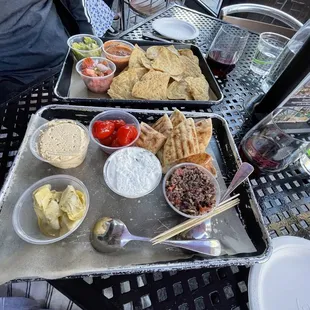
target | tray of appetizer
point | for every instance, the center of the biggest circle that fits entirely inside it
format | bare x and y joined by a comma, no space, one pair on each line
91,186
135,72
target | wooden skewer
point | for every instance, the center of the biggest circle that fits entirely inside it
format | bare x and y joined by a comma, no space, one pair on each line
194,219
229,203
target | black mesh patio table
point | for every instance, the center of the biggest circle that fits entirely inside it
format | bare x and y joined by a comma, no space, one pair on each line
284,197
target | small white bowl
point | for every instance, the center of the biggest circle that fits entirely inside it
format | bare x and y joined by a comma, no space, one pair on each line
34,140
25,221
110,173
114,115
212,178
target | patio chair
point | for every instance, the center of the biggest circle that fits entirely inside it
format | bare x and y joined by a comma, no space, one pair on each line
258,26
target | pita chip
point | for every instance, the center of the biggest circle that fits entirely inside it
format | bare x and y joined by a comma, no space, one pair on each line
163,125
150,139
177,117
204,133
182,142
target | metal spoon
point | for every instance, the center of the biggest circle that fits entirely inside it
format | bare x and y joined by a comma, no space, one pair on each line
109,235
203,231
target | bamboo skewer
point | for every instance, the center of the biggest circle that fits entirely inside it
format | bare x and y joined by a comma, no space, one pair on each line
224,206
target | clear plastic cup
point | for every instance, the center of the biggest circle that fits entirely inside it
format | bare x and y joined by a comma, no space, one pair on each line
114,115
212,178
80,54
110,174
120,61
25,221
97,84
68,161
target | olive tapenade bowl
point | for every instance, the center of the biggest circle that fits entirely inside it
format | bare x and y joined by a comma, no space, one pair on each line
204,170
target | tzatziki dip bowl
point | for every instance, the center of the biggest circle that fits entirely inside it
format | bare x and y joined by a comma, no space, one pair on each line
132,172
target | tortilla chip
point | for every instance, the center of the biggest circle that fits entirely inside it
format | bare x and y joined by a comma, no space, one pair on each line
177,117
150,139
179,90
189,67
163,125
122,85
177,78
182,142
189,53
135,57
198,87
152,52
204,133
167,61
153,85
146,62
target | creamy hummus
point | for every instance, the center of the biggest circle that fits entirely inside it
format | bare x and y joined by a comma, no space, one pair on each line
63,144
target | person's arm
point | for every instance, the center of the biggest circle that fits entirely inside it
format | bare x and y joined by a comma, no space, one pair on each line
77,10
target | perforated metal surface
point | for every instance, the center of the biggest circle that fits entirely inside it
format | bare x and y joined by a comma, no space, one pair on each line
284,198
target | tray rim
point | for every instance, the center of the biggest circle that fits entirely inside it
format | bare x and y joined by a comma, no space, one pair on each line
163,266
130,101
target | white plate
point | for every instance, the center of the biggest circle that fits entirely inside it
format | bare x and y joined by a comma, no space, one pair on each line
175,29
282,283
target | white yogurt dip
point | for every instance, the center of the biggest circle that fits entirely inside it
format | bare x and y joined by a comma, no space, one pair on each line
132,172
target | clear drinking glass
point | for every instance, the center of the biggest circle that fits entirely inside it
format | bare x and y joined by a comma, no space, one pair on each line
278,140
226,49
305,161
270,46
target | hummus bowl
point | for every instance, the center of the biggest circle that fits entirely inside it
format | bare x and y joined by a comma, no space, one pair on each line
62,143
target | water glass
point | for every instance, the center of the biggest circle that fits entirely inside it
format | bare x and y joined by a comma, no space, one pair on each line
305,162
278,140
269,47
226,49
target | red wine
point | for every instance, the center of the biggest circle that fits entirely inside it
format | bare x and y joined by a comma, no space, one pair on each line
265,153
220,69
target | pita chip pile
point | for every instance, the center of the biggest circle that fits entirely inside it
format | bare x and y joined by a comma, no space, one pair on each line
161,73
178,140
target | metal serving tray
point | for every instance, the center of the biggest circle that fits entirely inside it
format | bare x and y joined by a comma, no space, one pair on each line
241,230
70,87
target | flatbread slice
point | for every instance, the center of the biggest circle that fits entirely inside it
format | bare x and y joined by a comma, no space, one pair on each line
182,142
204,133
163,125
153,85
201,159
177,117
150,139
211,168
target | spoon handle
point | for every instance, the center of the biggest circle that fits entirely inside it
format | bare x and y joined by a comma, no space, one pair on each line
210,247
243,172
